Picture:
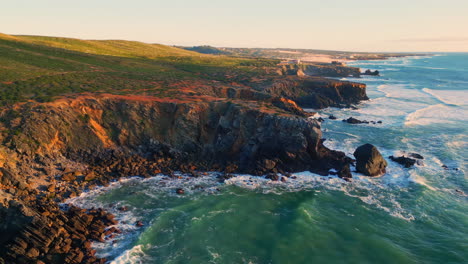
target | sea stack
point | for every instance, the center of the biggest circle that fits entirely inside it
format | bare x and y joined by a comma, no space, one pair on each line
369,161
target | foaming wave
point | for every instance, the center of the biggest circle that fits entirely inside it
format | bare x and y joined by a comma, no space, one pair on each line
449,97
135,255
438,113
374,192
399,91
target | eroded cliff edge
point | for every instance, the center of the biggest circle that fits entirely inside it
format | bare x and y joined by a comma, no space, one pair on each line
74,144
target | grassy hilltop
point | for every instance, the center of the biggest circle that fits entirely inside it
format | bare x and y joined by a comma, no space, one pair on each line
41,68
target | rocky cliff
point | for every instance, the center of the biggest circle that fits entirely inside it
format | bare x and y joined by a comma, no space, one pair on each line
77,143
320,69
317,93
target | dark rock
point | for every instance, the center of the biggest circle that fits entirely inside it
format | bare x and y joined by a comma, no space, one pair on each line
332,117
139,224
345,172
369,161
272,176
406,162
415,155
373,73
320,119
269,164
32,253
180,191
353,120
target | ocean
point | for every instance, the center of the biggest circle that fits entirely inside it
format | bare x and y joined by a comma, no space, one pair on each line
409,215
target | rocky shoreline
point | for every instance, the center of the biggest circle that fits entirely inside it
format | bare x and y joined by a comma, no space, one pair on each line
54,151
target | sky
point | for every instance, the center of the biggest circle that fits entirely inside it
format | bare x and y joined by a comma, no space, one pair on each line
352,25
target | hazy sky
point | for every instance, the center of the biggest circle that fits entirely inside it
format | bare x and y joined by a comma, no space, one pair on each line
358,25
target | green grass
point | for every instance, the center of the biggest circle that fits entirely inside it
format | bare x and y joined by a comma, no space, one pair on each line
43,68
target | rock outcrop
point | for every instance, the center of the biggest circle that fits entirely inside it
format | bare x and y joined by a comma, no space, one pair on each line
318,93
372,73
408,160
369,161
331,70
352,120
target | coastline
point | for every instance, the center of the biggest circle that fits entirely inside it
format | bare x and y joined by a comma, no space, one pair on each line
168,162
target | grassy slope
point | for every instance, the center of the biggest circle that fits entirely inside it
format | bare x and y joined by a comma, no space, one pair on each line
120,48
41,68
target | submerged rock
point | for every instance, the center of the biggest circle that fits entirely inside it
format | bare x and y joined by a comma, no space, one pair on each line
408,160
353,120
369,161
415,155
372,73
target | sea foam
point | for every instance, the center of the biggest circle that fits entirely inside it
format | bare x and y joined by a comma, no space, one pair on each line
449,97
439,113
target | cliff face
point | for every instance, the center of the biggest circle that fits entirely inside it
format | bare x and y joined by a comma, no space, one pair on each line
331,70
320,69
73,144
318,93
217,132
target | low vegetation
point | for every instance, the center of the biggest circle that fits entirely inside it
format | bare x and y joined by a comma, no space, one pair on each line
43,68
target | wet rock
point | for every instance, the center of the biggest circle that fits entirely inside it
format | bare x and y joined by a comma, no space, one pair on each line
369,161
372,73
180,191
405,161
320,119
345,172
332,117
139,224
415,155
272,176
408,160
353,120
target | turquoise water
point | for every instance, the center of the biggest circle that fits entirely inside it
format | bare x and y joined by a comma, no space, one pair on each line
416,215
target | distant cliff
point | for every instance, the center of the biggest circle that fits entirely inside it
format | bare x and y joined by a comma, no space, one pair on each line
318,93
320,69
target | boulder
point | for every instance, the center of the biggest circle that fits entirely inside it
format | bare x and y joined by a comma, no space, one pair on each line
415,156
369,161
